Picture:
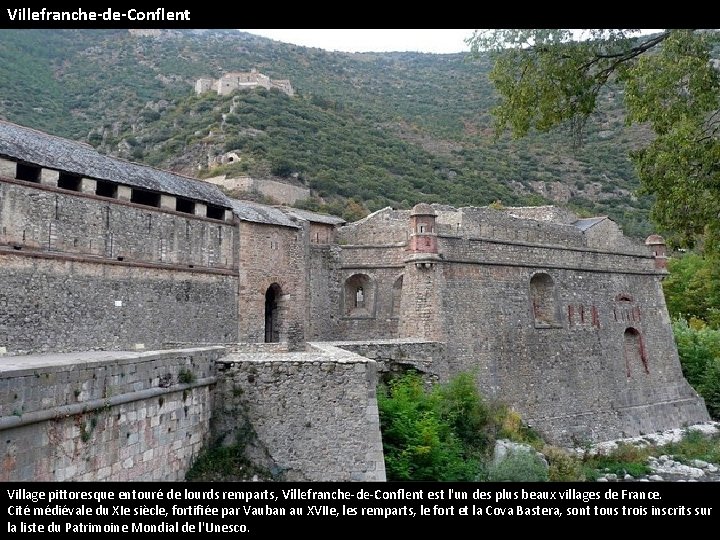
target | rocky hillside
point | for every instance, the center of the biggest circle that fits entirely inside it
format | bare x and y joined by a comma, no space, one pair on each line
363,131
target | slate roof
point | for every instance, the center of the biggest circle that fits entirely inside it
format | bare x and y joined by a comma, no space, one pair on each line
32,146
585,223
261,213
314,216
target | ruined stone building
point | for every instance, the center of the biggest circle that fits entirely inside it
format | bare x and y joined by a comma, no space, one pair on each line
160,304
235,80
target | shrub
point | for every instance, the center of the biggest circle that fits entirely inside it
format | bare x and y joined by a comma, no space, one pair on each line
563,467
699,349
695,445
509,425
519,466
625,459
710,388
225,463
186,376
431,435
447,432
697,346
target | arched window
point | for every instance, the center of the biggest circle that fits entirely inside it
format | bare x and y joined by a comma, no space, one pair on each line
634,349
359,296
542,297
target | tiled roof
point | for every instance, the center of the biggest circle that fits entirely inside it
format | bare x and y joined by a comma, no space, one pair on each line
32,146
261,213
585,223
306,215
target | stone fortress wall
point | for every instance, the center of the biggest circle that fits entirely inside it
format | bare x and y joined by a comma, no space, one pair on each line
94,263
562,318
229,82
105,416
281,192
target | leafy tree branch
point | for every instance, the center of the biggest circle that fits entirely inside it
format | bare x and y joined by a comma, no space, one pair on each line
669,82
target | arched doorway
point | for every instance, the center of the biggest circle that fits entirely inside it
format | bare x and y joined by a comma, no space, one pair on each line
359,296
272,313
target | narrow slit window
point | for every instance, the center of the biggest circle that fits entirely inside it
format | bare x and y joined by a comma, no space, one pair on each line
542,297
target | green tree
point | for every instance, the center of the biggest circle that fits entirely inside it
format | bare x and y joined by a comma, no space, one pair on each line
692,290
698,349
710,388
546,78
432,435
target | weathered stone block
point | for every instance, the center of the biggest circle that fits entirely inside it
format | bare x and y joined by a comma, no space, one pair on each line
49,177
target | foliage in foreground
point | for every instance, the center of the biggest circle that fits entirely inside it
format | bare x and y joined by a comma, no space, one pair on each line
546,78
692,290
699,350
423,431
632,459
448,432
220,463
519,466
445,433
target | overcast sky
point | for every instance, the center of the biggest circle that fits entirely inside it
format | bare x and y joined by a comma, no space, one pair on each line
376,40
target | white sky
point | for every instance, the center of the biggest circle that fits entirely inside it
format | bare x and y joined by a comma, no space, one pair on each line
378,40
373,40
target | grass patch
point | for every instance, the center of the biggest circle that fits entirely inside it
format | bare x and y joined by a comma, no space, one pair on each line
625,459
186,376
225,464
695,445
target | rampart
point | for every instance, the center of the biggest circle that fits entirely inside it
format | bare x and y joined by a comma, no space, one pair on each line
309,416
562,318
280,192
105,416
80,273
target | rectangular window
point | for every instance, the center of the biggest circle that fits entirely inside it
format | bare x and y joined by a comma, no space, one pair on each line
146,198
184,205
69,181
106,189
215,212
29,173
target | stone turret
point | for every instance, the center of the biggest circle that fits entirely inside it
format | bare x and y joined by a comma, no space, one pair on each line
420,306
423,242
656,244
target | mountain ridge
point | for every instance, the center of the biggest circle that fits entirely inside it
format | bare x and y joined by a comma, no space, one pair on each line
365,130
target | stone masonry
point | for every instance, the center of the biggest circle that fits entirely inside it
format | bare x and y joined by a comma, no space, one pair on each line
310,434
562,318
113,416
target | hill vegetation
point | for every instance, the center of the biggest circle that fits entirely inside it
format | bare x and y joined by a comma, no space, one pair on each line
364,130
